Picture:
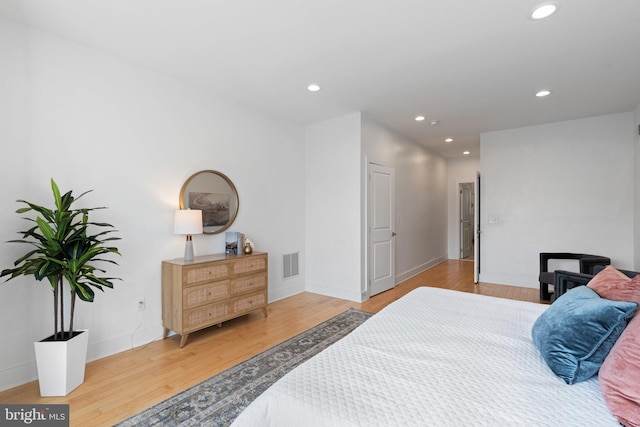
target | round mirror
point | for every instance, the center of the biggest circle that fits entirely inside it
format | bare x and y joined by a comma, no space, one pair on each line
214,194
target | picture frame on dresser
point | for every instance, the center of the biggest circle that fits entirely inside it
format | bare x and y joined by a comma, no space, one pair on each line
212,289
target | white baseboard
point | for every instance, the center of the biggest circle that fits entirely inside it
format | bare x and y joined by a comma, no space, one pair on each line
510,280
348,294
283,291
18,374
26,372
419,269
122,343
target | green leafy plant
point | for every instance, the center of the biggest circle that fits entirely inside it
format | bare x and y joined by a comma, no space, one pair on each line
64,250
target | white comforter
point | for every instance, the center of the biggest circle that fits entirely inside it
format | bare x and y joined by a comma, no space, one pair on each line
433,358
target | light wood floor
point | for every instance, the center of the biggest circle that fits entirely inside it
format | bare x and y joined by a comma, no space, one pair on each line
124,384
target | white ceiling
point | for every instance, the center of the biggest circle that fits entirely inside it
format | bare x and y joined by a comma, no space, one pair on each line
473,65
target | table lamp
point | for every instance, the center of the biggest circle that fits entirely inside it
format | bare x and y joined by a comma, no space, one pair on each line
188,221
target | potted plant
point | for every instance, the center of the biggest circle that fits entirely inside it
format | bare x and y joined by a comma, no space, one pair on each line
63,249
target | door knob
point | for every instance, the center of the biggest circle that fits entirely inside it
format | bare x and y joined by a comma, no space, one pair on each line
393,234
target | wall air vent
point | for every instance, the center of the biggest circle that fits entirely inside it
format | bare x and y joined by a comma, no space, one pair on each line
290,265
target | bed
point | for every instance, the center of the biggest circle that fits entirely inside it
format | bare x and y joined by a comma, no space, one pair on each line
435,357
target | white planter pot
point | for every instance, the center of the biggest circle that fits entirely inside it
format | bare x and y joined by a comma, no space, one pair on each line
61,364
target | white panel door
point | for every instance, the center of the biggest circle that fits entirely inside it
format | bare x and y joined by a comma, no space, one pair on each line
476,221
381,229
466,217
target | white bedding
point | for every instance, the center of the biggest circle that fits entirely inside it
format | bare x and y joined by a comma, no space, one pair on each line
433,358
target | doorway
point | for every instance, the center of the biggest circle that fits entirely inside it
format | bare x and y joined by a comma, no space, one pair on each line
381,230
476,220
467,226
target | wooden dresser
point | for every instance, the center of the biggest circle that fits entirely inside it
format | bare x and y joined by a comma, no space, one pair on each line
211,289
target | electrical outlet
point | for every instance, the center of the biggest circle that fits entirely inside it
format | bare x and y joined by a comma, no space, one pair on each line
141,304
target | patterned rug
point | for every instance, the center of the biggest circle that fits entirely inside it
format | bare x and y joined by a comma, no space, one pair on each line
220,399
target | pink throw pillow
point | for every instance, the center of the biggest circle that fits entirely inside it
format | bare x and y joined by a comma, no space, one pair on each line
612,284
619,376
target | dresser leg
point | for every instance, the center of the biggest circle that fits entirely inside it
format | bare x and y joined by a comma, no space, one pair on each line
264,311
183,340
165,333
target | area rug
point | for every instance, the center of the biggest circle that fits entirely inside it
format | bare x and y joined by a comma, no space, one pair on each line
220,399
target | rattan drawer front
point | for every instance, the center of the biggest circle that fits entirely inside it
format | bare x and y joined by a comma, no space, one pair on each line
250,302
212,289
248,284
250,265
195,296
193,276
205,316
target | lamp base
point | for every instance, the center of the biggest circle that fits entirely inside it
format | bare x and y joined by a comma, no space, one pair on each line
188,249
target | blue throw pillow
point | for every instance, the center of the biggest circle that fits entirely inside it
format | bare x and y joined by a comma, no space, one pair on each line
576,332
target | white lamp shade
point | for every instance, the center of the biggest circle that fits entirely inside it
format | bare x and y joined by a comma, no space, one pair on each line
188,221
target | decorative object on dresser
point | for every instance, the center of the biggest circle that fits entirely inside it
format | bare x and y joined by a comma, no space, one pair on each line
214,194
233,242
212,289
188,222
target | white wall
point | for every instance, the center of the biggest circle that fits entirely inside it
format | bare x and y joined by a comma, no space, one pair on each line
565,187
92,121
337,152
421,197
333,207
459,171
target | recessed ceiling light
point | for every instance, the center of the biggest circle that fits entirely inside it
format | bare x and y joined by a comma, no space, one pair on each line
543,10
313,87
543,93
434,122
448,140
466,153
419,118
